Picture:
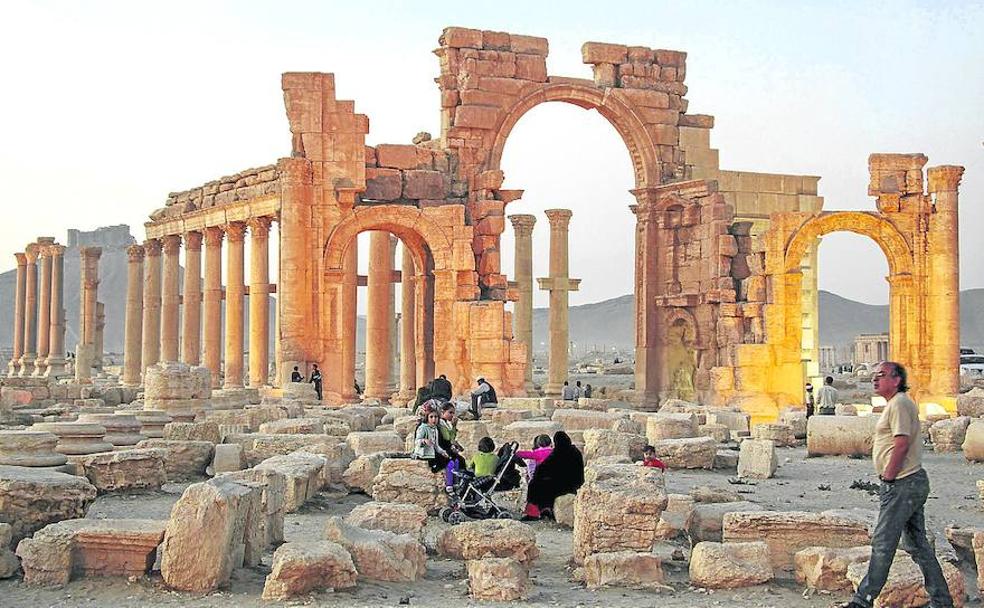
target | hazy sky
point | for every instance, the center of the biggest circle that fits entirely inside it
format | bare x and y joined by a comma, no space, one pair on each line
108,106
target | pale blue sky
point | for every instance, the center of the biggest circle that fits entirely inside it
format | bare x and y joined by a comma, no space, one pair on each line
111,105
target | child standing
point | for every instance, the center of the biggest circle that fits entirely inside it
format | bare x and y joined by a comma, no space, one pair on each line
426,445
649,458
542,446
483,463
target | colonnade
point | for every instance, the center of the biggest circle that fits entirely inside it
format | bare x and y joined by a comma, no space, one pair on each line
168,321
39,315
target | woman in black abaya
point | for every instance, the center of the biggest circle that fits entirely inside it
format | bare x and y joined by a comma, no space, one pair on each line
561,473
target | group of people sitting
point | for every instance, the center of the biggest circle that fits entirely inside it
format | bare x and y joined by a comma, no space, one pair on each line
573,393
440,389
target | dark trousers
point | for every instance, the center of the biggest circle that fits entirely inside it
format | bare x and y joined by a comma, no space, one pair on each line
317,388
901,516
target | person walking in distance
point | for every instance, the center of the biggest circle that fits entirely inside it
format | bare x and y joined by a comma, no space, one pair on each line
316,380
827,398
897,455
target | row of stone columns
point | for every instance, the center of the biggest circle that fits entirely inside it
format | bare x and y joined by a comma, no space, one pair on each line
39,315
558,284
166,323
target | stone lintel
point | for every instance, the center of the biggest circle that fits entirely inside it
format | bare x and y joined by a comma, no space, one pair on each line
558,284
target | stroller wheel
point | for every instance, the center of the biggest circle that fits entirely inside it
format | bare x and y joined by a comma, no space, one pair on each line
455,517
445,513
505,515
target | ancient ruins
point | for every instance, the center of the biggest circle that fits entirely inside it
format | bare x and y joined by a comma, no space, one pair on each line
203,418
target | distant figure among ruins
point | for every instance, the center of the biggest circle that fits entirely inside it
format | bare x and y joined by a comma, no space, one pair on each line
568,393
827,397
316,380
295,376
482,395
441,388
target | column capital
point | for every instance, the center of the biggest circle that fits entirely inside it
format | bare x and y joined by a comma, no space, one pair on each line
172,244
21,258
193,241
90,252
56,250
213,236
135,253
945,178
235,232
558,218
31,252
152,247
259,226
44,244
522,223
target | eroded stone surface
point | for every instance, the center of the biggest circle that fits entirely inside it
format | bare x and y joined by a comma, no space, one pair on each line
904,587
409,481
126,470
300,567
730,565
757,459
182,459
636,570
825,568
33,498
501,579
392,517
378,554
687,453
489,538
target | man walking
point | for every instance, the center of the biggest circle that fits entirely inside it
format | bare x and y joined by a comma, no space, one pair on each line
897,455
316,379
827,398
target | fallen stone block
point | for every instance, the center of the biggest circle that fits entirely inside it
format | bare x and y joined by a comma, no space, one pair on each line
726,460
618,508
499,579
358,476
779,434
489,538
583,420
718,432
564,510
825,569
523,431
600,443
635,570
303,473
124,471
228,457
208,532
9,564
706,519
948,435
904,587
757,459
971,403
840,435
729,565
192,431
737,422
673,520
273,493
687,453
409,481
973,445
962,541
182,459
378,554
670,426
795,419
32,498
300,567
786,532
294,426
390,516
375,441
977,543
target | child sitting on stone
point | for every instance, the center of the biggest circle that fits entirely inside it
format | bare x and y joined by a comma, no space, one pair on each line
484,461
426,445
649,458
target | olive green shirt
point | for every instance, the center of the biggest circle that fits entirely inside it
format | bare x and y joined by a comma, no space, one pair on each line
900,417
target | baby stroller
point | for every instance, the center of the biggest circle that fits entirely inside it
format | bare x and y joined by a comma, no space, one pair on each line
472,496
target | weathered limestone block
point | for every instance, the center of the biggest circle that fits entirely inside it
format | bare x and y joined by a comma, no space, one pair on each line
845,409
257,447
404,426
257,415
971,403
582,420
498,579
471,431
706,521
718,432
392,517
673,520
208,532
729,565
358,476
757,459
122,430
595,403
273,492
294,426
182,459
304,473
524,431
711,494
300,391
152,422
790,531
726,460
977,544
564,510
688,453
379,555
300,567
31,498
600,442
76,438
948,435
369,442
635,570
46,557
825,569
617,508
541,406
780,434
30,448
338,454
124,471
489,538
840,435
193,431
410,481
173,380
794,418
736,421
962,541
670,426
227,457
504,416
973,445
904,587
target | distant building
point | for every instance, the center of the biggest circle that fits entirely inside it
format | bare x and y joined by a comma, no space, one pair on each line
870,349
828,358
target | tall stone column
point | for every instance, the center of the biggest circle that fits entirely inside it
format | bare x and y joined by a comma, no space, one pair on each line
212,308
85,353
350,291
379,317
97,345
151,346
170,298
30,312
44,305
394,331
408,320
944,281
13,367
558,284
191,303
235,292
56,314
523,311
259,303
132,328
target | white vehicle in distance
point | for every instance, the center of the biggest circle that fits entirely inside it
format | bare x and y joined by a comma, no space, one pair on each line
972,365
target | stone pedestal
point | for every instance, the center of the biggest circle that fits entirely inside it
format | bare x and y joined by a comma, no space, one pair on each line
13,367
212,305
235,292
151,348
259,303
77,438
132,333
30,449
121,429
152,422
523,273
379,383
55,367
558,284
30,312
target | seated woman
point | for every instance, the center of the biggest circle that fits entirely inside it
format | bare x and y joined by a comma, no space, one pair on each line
562,472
